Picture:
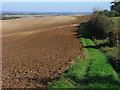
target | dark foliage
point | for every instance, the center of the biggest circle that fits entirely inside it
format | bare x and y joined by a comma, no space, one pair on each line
114,37
101,25
115,7
115,63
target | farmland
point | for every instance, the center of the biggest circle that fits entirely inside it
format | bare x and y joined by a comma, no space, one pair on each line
37,50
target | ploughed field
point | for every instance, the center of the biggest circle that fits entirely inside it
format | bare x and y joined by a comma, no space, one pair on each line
37,50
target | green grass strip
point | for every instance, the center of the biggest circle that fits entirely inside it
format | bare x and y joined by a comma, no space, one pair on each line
89,42
76,72
100,73
83,41
93,72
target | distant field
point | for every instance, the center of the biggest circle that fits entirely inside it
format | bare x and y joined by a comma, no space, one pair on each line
8,17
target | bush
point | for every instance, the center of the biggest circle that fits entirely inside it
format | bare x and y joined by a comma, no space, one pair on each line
114,38
101,25
106,13
113,14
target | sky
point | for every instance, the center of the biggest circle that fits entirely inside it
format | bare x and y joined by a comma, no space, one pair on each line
53,6
57,0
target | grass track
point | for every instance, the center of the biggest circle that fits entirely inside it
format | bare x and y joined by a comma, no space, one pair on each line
100,73
93,72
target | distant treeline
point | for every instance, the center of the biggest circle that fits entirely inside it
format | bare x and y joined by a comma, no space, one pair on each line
8,18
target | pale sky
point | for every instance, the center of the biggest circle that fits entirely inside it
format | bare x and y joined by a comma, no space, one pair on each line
56,0
54,6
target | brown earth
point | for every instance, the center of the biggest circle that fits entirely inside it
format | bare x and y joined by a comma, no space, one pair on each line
37,50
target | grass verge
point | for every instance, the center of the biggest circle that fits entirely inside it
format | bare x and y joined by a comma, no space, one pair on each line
94,72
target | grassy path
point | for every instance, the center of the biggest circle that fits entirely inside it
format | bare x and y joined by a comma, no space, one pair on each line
93,72
100,73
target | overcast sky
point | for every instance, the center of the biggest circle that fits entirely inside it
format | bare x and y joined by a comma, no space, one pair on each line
51,6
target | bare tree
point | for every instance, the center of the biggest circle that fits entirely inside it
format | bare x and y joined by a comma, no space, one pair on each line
96,9
115,1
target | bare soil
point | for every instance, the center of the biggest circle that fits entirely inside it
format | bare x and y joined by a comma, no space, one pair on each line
37,50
